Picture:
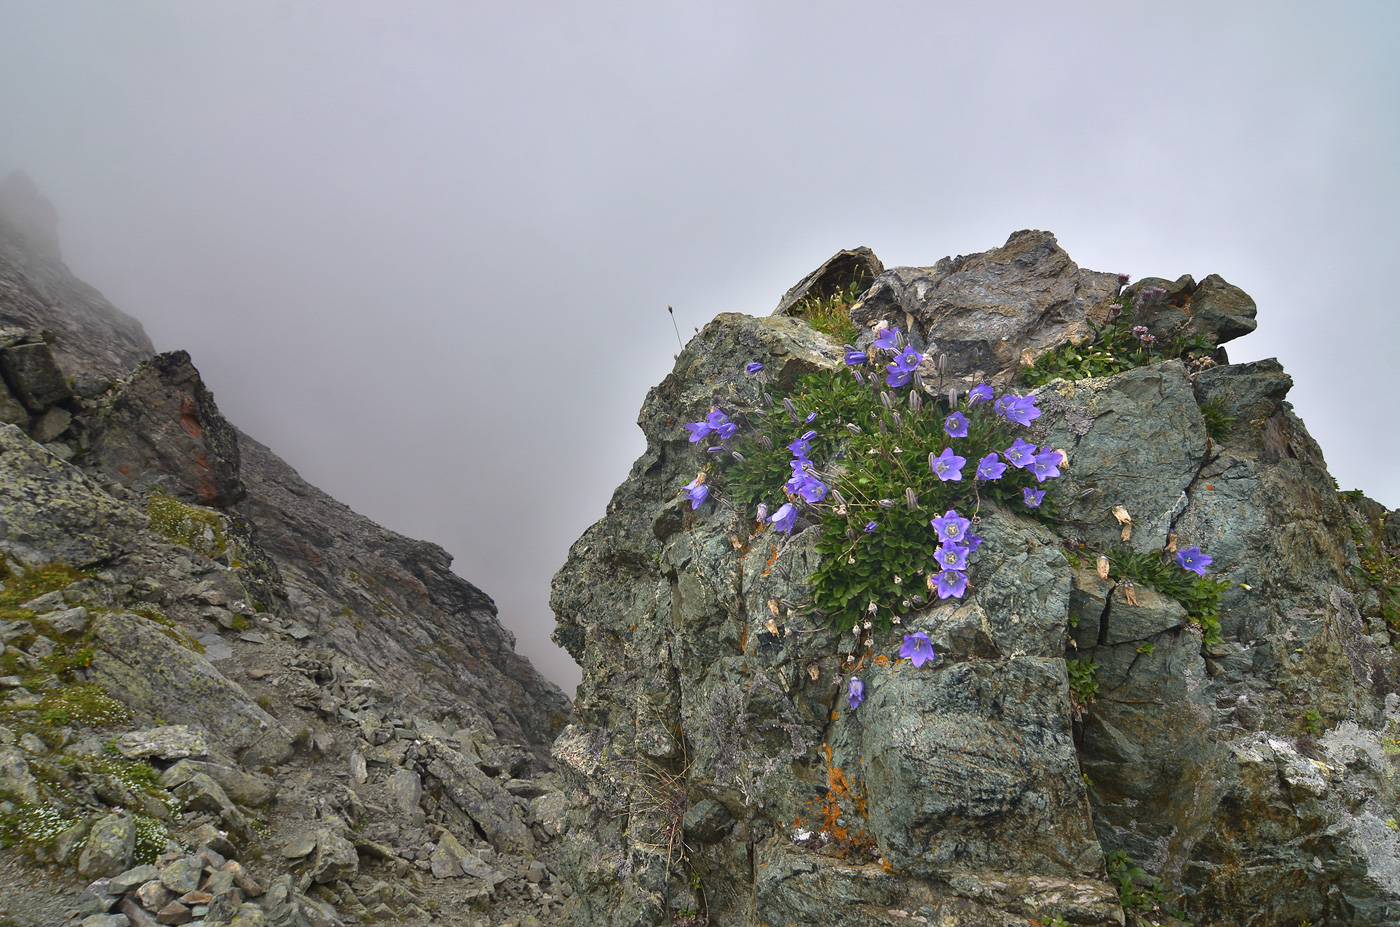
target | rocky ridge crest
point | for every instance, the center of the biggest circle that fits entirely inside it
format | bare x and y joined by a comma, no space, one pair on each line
224,696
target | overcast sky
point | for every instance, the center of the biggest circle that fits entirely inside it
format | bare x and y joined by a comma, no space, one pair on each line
424,251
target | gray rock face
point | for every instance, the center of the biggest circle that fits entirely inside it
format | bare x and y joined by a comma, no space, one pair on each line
33,376
985,311
1252,777
109,847
841,270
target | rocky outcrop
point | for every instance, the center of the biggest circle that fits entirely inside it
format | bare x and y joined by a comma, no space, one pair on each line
1084,749
214,677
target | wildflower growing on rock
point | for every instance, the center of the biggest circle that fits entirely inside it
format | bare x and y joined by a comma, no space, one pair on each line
901,370
956,425
888,339
952,527
1032,497
1046,466
949,583
696,491
855,692
948,466
784,518
979,393
856,358
1020,453
1018,409
918,648
1191,558
990,467
951,556
698,431
753,367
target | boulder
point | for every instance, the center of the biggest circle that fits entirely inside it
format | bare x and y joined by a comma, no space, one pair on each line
110,845
33,376
171,742
858,266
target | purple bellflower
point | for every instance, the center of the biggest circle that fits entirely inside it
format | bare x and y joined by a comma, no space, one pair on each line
698,431
812,489
951,556
973,542
948,466
918,648
956,425
1020,453
903,367
727,431
1046,466
871,526
990,467
696,491
1019,409
856,358
888,339
1031,497
949,584
1191,558
952,527
855,692
979,393
753,367
783,519
717,418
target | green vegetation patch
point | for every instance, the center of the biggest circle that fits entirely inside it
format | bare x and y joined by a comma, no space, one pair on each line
1379,567
1122,343
1198,595
201,530
831,314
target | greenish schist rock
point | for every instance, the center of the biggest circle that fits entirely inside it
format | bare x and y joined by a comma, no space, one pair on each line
716,766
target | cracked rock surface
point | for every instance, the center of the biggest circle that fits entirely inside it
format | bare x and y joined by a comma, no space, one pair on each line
715,770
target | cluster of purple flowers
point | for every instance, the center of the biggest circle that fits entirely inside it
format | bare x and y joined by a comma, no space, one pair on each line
954,546
803,481
717,423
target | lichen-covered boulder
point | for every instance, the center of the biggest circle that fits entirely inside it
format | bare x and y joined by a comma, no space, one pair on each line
720,763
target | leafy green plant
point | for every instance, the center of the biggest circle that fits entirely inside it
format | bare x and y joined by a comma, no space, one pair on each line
1313,720
1120,344
1137,890
1219,422
1198,595
877,540
831,314
1082,680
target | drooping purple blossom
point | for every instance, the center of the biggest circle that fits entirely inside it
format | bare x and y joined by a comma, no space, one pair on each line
951,556
918,649
698,431
1032,497
951,526
856,358
1046,466
950,584
855,692
1020,453
727,431
784,518
948,466
811,417
801,447
973,542
956,425
871,526
753,367
990,467
1018,409
696,491
1191,558
979,393
813,490
717,418
887,339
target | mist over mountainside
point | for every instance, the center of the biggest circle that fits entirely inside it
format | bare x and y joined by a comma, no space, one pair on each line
220,680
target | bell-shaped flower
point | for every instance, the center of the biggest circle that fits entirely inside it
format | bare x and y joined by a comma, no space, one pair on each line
990,467
696,491
979,393
1018,409
784,518
1031,497
951,527
856,358
1191,558
1020,453
1046,466
717,418
949,584
956,425
855,692
951,556
948,466
699,431
887,339
918,649
753,367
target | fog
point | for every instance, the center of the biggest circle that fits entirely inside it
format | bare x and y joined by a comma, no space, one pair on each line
424,251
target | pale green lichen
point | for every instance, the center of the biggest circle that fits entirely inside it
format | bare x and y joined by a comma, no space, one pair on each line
199,529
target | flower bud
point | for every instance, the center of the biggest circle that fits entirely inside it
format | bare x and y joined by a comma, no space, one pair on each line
886,399
859,379
737,456
886,503
910,499
898,422
763,511
916,401
853,429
